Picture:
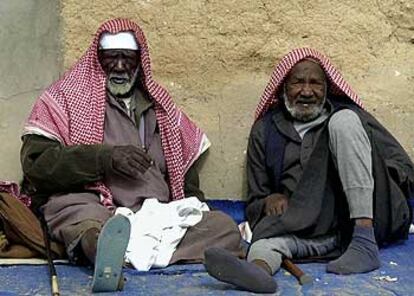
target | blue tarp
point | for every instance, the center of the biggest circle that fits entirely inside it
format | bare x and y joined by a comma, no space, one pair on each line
397,264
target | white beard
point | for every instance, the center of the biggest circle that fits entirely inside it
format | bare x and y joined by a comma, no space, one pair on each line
121,89
311,113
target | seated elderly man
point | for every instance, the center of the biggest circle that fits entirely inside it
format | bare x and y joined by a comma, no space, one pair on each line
325,179
106,136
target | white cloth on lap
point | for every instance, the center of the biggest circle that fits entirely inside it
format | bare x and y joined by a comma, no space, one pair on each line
157,228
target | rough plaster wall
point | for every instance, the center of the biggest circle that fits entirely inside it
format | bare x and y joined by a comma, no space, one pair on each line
29,61
215,57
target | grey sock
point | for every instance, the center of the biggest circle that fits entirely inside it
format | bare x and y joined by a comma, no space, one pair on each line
226,267
361,256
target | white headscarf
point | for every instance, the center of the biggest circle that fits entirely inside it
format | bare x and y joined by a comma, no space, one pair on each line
121,40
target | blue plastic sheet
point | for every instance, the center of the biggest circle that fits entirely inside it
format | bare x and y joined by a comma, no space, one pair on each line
397,264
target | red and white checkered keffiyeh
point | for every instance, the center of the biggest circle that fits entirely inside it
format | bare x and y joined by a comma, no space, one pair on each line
337,84
13,189
72,111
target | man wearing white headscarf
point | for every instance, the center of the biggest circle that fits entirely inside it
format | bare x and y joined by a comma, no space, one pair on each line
325,179
107,136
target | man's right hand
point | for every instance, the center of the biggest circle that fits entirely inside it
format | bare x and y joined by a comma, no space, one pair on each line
276,204
130,161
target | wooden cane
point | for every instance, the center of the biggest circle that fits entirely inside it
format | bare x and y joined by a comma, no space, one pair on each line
302,277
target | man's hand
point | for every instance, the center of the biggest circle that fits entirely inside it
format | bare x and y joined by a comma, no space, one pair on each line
275,204
130,161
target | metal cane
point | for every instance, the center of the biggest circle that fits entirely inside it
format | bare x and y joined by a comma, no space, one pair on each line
52,271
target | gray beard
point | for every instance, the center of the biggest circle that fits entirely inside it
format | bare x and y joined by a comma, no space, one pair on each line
310,114
119,90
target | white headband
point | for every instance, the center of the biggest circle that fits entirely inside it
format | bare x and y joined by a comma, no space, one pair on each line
121,40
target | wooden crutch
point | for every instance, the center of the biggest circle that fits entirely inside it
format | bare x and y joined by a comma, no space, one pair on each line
303,278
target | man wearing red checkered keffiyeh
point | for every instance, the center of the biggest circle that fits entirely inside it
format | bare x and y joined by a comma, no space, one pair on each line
106,135
325,179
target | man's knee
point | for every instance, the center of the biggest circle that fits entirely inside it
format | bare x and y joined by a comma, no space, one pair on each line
346,130
284,245
262,245
343,121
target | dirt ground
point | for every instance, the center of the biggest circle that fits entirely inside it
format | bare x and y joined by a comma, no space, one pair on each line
216,56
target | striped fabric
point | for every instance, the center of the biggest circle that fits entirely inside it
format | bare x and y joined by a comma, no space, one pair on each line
337,84
72,111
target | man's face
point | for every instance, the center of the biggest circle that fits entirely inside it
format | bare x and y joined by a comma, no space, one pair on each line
305,91
121,67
